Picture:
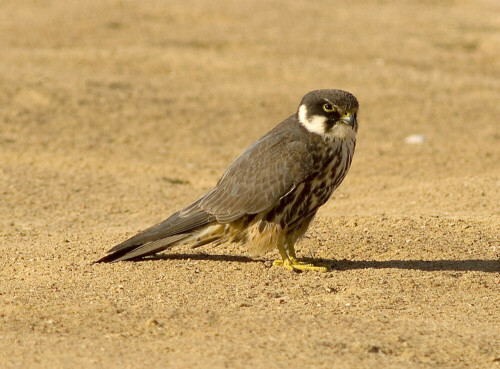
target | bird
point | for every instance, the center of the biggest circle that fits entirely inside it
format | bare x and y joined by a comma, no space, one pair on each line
269,195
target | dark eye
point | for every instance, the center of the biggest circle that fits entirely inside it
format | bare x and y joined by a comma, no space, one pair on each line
328,108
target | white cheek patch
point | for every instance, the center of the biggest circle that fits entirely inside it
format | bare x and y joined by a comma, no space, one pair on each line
315,124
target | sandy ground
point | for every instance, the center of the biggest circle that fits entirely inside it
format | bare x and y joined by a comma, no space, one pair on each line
114,114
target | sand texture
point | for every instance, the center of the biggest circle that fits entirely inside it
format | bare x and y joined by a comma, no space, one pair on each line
115,113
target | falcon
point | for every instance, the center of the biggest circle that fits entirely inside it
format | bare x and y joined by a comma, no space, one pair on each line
270,194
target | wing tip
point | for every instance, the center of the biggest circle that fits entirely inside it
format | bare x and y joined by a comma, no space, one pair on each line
112,257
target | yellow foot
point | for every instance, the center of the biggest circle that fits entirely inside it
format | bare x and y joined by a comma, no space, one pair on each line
293,264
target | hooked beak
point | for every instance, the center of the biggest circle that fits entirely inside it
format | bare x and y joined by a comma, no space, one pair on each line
349,120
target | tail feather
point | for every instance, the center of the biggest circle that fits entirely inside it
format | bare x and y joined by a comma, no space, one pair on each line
168,233
149,248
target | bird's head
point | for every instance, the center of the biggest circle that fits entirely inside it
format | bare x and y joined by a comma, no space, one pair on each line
331,113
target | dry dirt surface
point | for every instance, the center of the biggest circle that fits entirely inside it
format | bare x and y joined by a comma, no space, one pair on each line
114,114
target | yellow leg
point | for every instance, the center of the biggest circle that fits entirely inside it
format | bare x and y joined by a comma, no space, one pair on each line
291,263
291,251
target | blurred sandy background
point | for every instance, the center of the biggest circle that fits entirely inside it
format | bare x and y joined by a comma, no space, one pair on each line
114,114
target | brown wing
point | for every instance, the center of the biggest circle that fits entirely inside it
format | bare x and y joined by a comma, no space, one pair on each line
258,178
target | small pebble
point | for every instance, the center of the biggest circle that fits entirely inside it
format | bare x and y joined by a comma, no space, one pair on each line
415,139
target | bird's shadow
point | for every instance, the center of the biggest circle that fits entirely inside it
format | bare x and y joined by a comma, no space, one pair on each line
477,265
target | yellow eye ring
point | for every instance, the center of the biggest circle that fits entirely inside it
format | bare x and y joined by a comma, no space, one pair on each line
328,108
